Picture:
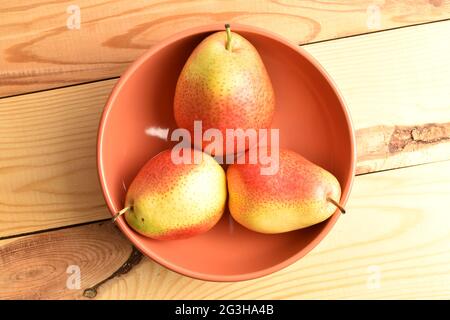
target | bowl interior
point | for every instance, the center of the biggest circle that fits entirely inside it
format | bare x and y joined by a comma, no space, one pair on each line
311,119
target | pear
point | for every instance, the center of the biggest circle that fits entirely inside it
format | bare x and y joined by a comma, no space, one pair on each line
169,201
298,195
225,85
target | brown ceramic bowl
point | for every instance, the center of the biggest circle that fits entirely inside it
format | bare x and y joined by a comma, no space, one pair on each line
313,121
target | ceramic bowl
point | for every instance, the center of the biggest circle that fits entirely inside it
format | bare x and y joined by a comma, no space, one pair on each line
312,118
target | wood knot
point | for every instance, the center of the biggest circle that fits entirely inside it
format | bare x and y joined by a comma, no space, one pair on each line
413,137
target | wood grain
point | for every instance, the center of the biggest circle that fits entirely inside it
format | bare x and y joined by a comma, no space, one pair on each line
393,243
397,224
39,51
48,175
396,88
44,266
385,147
48,139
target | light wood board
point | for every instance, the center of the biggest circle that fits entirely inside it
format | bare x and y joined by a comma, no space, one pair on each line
392,243
42,47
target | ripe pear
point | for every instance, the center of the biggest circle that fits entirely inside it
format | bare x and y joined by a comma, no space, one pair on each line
298,195
169,201
224,84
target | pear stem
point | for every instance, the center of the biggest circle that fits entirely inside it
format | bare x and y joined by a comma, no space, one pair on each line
341,208
228,43
121,212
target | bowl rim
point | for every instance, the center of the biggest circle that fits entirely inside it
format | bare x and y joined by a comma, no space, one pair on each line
329,223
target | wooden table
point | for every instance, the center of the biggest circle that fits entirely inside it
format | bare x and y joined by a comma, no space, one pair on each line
390,59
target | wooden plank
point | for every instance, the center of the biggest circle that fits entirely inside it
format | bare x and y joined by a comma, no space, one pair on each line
41,46
47,265
48,174
391,78
396,84
47,139
393,243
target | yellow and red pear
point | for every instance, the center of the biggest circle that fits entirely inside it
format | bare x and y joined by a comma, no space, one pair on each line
173,201
298,195
224,84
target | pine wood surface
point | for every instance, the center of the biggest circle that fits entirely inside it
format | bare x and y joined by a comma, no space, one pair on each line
42,47
392,243
48,173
